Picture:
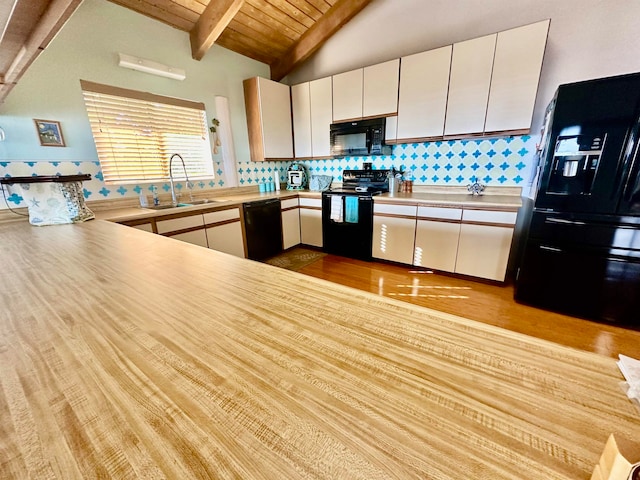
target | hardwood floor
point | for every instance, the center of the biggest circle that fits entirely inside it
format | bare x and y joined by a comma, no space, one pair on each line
488,303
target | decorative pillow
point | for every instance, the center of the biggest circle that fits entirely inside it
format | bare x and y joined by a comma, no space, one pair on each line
55,203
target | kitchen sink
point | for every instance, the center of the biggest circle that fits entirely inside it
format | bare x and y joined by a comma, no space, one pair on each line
201,202
164,206
161,206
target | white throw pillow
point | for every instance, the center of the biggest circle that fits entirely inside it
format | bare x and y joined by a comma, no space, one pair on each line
55,203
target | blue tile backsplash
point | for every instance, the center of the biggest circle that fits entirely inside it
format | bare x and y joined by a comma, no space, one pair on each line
503,161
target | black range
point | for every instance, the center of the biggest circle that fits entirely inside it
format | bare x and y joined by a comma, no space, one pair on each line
347,213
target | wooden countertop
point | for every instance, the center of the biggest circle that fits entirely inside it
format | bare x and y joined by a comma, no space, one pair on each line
125,354
500,198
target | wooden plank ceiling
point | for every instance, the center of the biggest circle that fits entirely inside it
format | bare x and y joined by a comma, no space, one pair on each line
280,33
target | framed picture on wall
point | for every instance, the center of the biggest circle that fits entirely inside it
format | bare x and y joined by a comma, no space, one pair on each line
49,133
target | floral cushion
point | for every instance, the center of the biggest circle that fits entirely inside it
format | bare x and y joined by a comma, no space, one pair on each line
55,203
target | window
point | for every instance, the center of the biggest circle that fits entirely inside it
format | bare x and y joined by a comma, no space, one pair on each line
136,133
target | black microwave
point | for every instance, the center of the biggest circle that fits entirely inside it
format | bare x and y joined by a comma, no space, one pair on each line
359,138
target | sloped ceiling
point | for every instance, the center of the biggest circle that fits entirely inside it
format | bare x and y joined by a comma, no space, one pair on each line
280,33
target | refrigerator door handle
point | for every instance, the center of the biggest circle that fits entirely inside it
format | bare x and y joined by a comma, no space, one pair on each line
563,221
632,186
550,249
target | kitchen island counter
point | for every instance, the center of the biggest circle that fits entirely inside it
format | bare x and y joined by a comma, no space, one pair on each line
129,355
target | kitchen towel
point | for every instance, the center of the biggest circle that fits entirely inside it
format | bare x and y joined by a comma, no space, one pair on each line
351,209
336,208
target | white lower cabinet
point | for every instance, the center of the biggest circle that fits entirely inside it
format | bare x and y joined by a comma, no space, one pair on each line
485,243
437,233
186,229
394,231
311,221
224,231
449,239
197,237
226,238
146,227
290,223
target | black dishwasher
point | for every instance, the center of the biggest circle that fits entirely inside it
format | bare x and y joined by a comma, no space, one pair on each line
263,228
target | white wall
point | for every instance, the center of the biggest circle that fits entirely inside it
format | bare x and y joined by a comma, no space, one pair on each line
587,38
87,48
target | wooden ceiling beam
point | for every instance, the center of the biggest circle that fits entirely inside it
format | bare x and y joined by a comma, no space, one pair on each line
211,24
335,18
48,26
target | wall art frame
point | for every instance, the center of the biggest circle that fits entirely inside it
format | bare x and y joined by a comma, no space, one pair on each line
49,133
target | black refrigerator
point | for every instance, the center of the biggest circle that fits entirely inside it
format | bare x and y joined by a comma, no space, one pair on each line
582,252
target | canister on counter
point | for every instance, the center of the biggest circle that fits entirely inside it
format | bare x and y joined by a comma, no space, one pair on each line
408,186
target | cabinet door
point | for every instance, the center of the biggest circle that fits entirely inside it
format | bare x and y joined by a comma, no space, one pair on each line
290,223
436,245
321,116
268,109
275,102
311,222
471,66
516,73
485,243
147,227
196,237
424,84
393,238
301,112
227,238
391,129
380,89
437,233
483,251
224,231
394,231
347,95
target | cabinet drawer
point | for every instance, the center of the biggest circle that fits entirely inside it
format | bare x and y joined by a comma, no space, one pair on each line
222,216
196,237
288,203
311,202
180,223
147,227
489,216
440,213
393,209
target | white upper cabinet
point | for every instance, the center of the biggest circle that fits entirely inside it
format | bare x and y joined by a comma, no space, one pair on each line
275,99
366,92
424,83
390,129
516,73
471,66
301,111
321,116
380,91
268,108
347,95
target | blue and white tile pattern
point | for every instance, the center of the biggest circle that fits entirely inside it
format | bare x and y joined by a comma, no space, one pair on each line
504,161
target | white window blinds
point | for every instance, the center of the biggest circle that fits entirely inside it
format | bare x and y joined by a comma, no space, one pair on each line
137,132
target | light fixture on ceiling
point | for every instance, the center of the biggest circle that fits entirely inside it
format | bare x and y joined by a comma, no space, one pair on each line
149,66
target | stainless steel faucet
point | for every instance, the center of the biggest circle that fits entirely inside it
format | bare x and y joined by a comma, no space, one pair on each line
174,200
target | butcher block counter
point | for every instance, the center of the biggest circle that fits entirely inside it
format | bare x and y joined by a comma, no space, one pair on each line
130,355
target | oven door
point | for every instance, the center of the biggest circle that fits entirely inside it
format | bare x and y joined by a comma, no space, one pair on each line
347,224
